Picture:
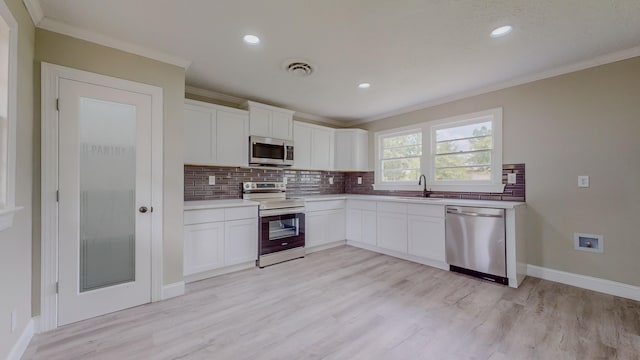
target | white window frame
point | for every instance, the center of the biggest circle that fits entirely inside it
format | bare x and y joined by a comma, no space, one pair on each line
429,149
8,208
396,185
493,185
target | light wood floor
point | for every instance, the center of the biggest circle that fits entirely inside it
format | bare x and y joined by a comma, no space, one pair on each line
348,303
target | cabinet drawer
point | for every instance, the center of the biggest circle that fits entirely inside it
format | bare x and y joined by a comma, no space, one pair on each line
324,205
362,205
203,216
237,213
426,210
393,207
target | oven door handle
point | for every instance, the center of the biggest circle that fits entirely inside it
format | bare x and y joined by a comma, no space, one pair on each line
285,211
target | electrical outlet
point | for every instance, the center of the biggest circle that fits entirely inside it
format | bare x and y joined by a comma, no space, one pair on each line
212,180
511,178
359,180
14,319
330,181
284,180
583,181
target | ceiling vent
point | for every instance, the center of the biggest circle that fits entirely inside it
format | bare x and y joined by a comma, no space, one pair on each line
298,68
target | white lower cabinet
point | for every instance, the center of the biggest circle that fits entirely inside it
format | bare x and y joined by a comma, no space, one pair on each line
362,221
216,238
426,237
324,227
324,222
392,231
425,226
203,247
240,241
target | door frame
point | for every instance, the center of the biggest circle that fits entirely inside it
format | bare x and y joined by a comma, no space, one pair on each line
49,176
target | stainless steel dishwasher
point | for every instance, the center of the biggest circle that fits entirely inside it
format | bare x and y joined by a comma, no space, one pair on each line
475,242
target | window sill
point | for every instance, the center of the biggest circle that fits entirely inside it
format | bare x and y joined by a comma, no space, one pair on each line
499,188
7,215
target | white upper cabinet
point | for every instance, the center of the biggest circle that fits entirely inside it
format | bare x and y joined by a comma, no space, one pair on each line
352,149
215,135
313,146
270,121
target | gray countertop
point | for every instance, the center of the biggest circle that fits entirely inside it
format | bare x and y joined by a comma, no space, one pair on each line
416,200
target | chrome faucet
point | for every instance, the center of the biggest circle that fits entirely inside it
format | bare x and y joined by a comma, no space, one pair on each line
425,192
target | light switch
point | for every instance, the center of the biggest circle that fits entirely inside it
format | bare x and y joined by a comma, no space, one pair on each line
330,181
212,180
359,180
583,181
511,178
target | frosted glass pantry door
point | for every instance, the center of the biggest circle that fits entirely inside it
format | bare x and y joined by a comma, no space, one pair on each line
104,197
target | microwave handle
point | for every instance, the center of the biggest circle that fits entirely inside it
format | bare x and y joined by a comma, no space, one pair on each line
286,151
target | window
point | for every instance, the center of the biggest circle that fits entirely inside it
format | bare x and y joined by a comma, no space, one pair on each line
462,153
400,156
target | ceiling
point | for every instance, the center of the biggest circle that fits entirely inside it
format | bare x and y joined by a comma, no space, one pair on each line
413,52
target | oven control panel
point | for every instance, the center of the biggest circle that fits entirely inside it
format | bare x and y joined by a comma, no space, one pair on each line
264,186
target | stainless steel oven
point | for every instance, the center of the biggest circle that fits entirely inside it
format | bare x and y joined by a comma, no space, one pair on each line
281,237
270,151
281,233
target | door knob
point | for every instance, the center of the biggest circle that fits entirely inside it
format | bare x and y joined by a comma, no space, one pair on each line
143,209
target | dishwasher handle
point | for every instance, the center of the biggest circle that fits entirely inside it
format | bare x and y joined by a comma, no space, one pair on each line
457,211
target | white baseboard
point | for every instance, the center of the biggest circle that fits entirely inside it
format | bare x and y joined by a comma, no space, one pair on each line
172,290
23,342
586,282
221,271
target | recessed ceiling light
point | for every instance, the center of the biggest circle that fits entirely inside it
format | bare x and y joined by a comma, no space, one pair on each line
364,85
501,31
251,39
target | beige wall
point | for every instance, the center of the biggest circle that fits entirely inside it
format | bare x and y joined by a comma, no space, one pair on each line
583,123
67,51
15,243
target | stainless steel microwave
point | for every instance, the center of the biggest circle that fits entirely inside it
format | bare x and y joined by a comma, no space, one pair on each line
270,151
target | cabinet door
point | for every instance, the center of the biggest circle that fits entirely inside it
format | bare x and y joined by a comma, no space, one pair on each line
302,146
199,143
260,122
316,227
240,241
322,148
282,125
336,224
360,152
343,153
232,135
354,225
392,231
203,247
426,237
369,227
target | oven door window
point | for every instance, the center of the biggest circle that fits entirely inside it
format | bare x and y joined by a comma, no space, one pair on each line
283,228
267,151
281,232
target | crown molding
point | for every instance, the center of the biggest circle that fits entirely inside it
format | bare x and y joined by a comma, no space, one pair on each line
35,10
582,65
189,89
94,37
